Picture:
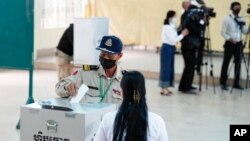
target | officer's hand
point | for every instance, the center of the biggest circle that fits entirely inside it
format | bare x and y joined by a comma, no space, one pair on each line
71,89
185,32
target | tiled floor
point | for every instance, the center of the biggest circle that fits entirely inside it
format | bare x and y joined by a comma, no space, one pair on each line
202,117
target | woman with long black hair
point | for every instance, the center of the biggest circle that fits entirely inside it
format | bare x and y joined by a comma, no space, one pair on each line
133,121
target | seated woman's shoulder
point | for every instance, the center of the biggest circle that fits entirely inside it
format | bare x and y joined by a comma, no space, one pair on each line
155,117
110,115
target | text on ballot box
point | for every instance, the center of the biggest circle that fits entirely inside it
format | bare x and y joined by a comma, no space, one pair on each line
239,132
58,119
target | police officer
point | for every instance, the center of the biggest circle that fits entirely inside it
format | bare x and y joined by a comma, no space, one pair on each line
103,81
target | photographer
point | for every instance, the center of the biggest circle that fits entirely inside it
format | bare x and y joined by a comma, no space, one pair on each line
232,29
193,20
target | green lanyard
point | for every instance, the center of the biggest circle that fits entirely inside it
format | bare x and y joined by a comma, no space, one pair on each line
103,94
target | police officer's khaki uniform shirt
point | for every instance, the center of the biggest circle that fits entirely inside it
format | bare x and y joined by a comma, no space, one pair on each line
92,79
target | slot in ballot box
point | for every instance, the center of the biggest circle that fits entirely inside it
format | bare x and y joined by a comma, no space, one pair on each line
60,120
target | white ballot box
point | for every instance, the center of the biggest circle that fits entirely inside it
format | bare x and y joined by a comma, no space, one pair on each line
60,120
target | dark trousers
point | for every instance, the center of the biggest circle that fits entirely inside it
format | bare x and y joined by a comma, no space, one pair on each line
188,53
230,50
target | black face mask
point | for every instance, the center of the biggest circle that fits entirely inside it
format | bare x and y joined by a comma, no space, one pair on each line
106,63
236,11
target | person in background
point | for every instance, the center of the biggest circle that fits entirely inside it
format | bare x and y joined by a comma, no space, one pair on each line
133,121
169,39
185,6
190,45
103,81
232,29
64,53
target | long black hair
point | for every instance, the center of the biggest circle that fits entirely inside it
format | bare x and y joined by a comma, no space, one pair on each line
131,122
170,14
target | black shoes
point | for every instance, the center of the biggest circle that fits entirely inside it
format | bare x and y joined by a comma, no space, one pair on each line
237,87
224,87
191,90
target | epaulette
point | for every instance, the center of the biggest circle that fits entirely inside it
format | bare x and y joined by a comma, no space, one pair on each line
124,71
90,67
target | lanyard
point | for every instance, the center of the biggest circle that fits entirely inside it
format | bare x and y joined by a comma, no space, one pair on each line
237,22
103,94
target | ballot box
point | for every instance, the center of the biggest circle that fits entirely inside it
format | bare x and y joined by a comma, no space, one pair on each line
60,120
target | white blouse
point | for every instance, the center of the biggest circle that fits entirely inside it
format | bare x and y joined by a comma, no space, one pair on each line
169,35
156,128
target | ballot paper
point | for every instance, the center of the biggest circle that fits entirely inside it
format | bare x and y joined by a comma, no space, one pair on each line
80,94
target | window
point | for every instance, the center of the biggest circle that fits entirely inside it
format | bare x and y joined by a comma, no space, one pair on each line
60,13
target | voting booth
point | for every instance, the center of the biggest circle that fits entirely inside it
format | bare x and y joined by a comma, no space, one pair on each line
88,33
60,120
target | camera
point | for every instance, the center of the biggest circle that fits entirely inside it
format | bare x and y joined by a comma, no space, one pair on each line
203,12
241,24
209,12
